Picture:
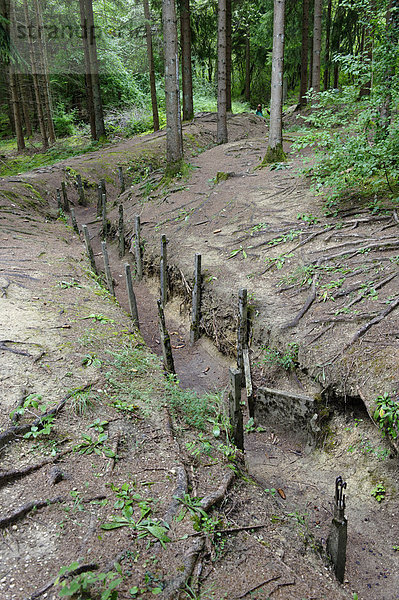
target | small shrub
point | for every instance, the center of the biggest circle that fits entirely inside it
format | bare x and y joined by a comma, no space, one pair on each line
386,416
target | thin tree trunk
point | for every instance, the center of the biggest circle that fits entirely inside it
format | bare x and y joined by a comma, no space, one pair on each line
247,67
88,82
327,48
304,54
187,79
275,151
25,105
229,66
150,57
44,76
318,10
174,140
94,71
222,113
15,101
36,86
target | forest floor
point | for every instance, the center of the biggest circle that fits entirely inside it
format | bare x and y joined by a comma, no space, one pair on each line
105,473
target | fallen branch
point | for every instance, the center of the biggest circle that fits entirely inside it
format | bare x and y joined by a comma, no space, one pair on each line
20,352
18,430
78,571
26,508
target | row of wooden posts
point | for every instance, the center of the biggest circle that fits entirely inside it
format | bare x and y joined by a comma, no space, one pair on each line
239,377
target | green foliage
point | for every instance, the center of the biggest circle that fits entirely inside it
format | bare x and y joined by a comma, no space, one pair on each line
82,400
90,445
64,122
195,410
386,416
81,585
378,492
287,360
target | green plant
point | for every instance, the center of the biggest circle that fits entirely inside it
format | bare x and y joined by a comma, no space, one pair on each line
237,251
378,492
250,427
100,318
89,445
91,360
271,491
286,360
307,218
43,428
69,284
82,401
81,585
386,415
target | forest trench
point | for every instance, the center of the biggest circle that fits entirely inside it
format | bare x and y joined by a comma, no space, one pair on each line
308,485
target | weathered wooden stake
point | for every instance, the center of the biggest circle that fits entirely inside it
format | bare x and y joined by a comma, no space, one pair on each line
108,274
74,221
65,197
137,248
242,331
104,216
196,308
99,200
248,382
121,179
164,271
121,233
235,412
89,249
131,295
165,341
81,192
59,203
336,542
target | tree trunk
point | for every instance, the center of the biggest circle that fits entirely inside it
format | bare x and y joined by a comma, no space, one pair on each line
93,70
327,48
174,140
45,80
247,67
187,79
275,152
304,54
228,55
222,108
150,57
36,84
16,107
392,34
318,9
24,95
88,82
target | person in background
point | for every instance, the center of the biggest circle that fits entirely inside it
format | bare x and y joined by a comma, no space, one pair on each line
259,111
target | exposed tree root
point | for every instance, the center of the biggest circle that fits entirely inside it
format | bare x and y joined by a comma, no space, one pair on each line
171,592
13,475
18,430
256,587
16,416
50,584
180,489
309,301
208,501
25,509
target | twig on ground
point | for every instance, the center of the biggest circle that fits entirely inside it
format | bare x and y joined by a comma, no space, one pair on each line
280,585
256,587
21,512
309,301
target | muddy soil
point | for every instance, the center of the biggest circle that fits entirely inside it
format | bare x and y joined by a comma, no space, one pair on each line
244,227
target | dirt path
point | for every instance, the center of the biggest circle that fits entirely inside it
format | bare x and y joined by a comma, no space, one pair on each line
249,209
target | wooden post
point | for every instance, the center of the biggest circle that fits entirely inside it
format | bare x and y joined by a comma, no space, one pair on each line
163,271
74,221
137,248
337,540
99,200
131,296
81,193
104,216
108,274
242,330
248,382
65,197
89,249
121,180
121,233
235,412
59,203
196,308
165,341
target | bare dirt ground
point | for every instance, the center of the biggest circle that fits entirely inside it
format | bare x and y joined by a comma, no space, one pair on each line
63,337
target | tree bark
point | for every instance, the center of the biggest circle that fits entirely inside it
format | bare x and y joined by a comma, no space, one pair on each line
247,67
150,57
186,70
88,82
318,9
174,140
275,151
327,48
222,107
45,80
16,107
24,95
304,54
228,55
